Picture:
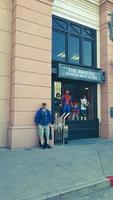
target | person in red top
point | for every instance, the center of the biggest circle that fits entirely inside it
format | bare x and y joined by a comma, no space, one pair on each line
66,102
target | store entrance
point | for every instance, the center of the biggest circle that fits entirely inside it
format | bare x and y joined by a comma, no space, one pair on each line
81,98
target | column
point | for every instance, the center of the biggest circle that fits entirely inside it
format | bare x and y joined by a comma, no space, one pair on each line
31,68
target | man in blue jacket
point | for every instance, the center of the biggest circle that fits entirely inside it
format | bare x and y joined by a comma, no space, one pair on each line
42,120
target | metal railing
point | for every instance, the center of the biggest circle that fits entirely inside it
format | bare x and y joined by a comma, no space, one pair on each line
59,124
66,117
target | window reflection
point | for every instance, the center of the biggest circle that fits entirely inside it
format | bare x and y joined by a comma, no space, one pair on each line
59,46
74,50
87,53
73,43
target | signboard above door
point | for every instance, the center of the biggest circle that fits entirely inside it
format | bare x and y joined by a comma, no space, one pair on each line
80,73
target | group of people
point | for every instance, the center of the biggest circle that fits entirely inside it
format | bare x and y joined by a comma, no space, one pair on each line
43,116
78,110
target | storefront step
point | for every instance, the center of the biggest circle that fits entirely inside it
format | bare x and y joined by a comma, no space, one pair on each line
83,129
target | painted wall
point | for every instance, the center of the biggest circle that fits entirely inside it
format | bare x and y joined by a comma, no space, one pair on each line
31,68
86,13
5,66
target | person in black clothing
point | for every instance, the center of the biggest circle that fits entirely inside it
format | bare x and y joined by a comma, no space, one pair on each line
57,104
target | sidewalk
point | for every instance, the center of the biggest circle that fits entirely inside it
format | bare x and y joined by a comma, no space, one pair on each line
78,169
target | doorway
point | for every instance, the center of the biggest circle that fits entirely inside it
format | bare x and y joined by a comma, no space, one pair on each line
77,90
78,127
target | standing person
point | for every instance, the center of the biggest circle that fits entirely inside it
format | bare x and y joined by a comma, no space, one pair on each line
66,102
57,104
42,120
84,105
76,111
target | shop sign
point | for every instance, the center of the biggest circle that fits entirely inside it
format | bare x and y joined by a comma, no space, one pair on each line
80,73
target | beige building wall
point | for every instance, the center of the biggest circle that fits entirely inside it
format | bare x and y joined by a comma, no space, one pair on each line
107,65
31,68
5,65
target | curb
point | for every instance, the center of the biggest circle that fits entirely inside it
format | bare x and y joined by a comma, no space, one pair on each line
82,191
74,192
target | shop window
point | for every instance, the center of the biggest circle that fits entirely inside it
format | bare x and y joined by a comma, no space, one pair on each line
59,24
59,52
74,29
88,33
57,88
73,43
74,55
87,53
82,100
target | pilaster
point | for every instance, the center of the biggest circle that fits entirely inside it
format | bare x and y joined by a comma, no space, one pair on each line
31,68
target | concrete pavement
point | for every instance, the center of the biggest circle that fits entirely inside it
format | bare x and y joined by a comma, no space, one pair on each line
76,171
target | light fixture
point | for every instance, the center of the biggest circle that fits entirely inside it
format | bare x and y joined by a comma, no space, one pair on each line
62,54
75,57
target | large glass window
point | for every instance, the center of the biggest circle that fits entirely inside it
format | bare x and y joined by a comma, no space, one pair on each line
87,53
73,43
74,55
59,52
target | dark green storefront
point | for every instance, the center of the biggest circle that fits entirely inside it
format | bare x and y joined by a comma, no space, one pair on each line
74,68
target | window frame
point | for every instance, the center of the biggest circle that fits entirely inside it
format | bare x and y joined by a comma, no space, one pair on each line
82,38
87,40
77,37
59,31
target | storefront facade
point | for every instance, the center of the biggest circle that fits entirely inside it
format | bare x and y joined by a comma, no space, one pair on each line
49,47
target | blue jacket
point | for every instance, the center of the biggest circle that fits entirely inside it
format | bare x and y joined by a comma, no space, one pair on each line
43,117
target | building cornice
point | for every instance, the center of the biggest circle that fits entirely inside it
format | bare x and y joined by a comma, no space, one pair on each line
75,10
104,1
96,2
78,3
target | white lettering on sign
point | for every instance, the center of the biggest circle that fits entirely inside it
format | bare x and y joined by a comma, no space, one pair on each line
77,73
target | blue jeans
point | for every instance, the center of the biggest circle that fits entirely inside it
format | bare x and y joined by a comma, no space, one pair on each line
67,108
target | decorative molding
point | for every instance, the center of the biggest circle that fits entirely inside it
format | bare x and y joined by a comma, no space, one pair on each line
105,1
94,8
76,10
94,1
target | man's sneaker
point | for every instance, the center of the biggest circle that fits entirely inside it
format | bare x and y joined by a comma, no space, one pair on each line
42,146
48,146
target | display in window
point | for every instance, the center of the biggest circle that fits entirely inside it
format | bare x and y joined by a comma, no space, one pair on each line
57,104
65,104
76,110
84,108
